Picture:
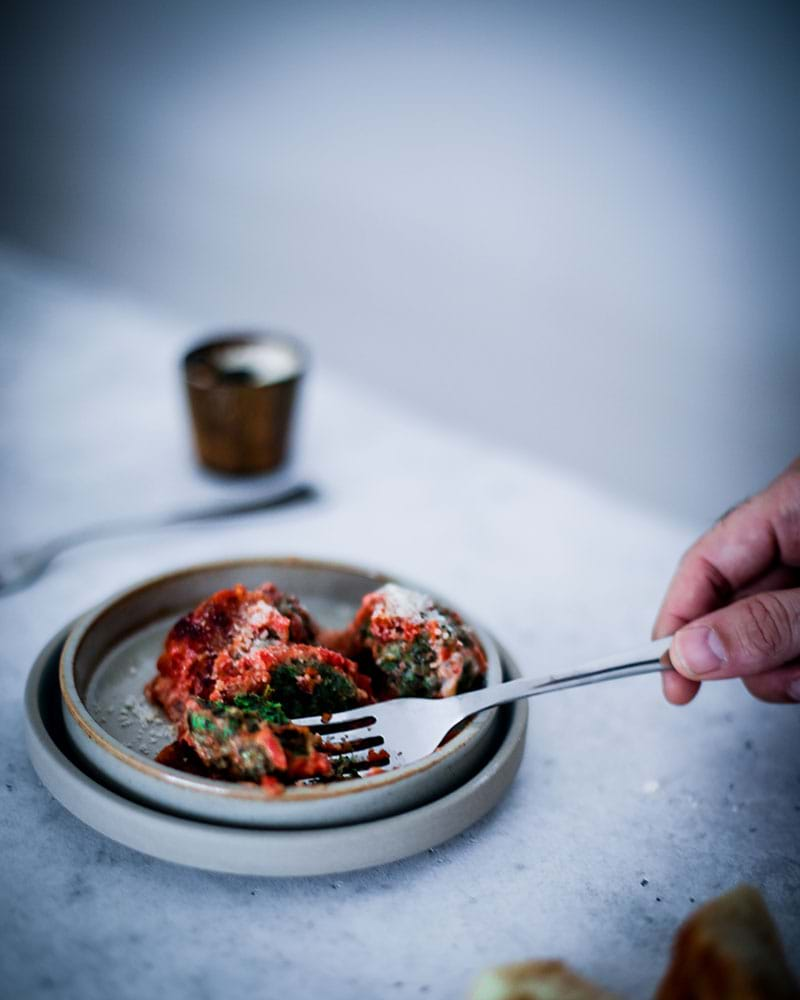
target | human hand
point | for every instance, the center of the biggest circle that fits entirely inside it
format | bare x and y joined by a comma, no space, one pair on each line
734,602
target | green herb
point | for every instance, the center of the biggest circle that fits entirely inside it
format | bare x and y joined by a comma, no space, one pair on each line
333,692
408,665
344,767
266,710
202,724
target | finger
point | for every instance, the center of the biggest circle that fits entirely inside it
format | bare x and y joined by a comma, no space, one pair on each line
778,578
678,690
752,636
759,534
778,686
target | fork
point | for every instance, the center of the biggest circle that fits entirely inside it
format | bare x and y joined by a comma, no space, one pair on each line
403,730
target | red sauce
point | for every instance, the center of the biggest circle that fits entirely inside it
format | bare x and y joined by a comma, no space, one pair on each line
234,642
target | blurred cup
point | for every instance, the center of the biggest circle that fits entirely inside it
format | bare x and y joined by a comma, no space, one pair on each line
242,389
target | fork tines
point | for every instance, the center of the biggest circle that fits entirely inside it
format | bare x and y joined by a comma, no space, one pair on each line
353,743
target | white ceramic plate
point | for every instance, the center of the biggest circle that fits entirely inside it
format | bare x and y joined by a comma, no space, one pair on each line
111,653
243,851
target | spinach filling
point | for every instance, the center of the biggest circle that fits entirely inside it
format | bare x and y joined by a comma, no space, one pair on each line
334,691
266,710
247,711
408,667
223,736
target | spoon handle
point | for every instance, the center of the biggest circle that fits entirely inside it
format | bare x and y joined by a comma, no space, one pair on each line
18,569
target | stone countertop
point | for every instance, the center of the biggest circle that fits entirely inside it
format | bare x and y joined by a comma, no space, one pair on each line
626,811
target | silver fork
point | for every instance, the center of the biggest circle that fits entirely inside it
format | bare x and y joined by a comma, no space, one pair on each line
405,729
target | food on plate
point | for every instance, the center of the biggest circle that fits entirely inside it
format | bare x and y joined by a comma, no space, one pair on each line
222,636
304,680
252,740
241,665
419,648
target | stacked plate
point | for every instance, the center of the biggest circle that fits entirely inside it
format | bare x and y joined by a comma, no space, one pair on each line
93,737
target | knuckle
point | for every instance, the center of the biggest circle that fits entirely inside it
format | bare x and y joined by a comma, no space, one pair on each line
696,567
717,580
786,518
766,626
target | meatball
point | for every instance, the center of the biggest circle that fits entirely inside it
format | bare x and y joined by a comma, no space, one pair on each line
303,680
230,626
302,627
240,744
238,668
418,648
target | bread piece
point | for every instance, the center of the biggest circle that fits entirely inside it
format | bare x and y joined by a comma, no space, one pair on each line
535,981
729,949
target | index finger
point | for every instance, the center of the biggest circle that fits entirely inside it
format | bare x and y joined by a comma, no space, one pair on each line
740,547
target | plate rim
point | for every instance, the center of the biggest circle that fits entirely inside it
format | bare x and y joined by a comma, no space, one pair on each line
212,846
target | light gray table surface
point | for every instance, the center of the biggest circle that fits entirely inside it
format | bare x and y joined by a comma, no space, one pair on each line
616,788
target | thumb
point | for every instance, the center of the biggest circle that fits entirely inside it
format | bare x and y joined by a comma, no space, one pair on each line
751,636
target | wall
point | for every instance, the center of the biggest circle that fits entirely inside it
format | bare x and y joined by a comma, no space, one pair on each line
572,226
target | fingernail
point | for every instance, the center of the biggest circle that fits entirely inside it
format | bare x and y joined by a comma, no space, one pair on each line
794,689
697,651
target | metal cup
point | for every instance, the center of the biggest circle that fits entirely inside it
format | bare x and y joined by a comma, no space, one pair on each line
242,389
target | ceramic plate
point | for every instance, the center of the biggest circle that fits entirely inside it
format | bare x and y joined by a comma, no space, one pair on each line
243,851
111,654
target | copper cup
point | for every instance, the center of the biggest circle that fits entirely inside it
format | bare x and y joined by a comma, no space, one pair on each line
242,389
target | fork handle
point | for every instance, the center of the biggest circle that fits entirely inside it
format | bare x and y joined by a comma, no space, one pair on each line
641,660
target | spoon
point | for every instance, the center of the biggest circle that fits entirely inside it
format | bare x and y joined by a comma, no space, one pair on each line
20,568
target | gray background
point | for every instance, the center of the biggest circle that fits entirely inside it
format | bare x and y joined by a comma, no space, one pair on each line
572,228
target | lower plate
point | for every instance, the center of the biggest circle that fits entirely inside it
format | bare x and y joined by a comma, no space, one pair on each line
244,851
